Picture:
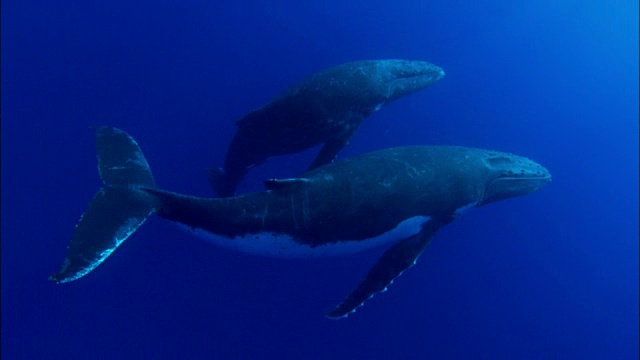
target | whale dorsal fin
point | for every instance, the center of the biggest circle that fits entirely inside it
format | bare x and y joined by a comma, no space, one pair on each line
393,262
275,184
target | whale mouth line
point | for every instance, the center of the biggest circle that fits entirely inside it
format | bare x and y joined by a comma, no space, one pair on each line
412,76
402,85
425,74
532,177
436,74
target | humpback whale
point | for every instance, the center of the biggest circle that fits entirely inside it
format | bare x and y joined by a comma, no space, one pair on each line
325,108
399,197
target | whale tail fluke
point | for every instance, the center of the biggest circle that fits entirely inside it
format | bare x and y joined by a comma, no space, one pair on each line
116,211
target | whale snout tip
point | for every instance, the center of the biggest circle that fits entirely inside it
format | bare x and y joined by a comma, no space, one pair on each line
546,174
431,72
512,176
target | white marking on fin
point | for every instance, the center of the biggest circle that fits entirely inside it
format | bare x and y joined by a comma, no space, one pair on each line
464,209
121,234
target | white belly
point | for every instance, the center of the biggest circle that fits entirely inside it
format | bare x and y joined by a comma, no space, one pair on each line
283,245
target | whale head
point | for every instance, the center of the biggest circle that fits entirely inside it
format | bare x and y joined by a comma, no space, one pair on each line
402,77
511,175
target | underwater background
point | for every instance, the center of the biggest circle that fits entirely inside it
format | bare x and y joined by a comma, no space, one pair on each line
553,275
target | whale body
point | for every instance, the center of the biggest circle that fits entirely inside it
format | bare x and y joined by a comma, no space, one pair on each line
325,108
398,197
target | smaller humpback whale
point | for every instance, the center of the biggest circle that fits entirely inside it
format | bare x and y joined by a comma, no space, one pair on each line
325,108
398,197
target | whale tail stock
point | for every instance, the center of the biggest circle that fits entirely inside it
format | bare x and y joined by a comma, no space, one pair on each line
117,209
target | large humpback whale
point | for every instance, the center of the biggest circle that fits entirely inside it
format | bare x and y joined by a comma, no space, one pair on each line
399,197
325,108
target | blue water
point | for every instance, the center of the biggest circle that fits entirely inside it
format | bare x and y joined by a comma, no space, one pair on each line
553,275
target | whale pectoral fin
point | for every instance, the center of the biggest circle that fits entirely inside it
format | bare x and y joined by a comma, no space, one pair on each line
393,262
332,147
328,152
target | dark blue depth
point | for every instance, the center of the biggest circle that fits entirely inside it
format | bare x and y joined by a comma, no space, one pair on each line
553,275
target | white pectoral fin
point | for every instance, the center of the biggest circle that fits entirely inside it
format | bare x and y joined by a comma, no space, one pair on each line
393,262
